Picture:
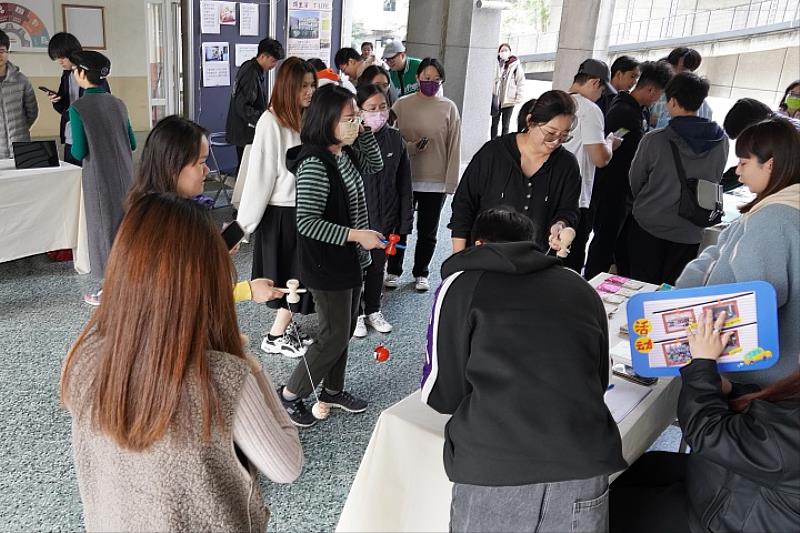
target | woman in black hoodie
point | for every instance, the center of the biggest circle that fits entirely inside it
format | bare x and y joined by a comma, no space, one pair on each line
528,171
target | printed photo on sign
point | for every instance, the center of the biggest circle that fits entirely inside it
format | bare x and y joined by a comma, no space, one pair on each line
678,320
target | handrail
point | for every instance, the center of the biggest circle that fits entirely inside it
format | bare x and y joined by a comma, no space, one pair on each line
751,15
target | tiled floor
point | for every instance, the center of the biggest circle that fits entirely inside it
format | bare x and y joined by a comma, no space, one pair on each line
41,313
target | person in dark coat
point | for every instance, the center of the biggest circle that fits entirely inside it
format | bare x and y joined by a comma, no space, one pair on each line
249,95
389,201
743,472
529,171
61,46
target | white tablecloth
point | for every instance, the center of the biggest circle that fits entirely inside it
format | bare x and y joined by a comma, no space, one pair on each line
401,484
42,210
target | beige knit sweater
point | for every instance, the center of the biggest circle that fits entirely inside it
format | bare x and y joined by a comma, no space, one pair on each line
181,483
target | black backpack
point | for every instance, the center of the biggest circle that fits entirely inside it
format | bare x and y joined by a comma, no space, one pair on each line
701,200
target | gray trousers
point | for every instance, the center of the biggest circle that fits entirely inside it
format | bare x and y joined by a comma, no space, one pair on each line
567,506
327,357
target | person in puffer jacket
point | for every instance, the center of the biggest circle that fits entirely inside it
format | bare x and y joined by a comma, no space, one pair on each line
18,107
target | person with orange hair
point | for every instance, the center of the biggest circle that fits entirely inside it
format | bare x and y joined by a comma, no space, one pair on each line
267,208
170,418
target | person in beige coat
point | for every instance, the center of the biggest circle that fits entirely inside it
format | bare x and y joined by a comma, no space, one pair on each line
509,84
171,419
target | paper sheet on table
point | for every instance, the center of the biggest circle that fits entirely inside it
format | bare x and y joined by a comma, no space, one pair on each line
621,353
624,398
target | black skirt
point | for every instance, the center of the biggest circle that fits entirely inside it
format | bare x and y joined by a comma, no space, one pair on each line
275,255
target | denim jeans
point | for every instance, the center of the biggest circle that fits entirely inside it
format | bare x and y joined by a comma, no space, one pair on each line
566,506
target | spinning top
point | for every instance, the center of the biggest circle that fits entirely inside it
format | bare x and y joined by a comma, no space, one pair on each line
321,410
381,353
565,238
292,291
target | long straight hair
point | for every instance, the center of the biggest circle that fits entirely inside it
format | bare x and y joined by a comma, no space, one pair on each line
787,389
167,299
285,101
777,139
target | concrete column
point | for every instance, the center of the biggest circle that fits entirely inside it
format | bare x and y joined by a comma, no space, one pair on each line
584,32
464,38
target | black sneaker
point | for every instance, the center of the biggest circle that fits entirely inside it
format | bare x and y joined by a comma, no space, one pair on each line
344,400
300,416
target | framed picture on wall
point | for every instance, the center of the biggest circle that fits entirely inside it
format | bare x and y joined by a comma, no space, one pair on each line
87,23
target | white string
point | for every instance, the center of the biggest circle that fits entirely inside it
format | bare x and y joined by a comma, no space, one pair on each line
303,353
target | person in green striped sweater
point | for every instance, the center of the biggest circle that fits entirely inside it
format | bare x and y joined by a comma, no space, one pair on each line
334,240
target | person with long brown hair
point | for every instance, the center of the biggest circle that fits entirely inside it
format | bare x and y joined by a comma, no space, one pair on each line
764,243
744,467
170,417
268,207
174,161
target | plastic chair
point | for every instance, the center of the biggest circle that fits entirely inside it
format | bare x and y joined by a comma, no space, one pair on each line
216,175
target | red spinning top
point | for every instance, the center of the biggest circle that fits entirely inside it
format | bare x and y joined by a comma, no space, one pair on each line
391,248
381,353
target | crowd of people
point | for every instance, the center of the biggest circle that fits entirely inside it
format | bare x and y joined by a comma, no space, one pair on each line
159,382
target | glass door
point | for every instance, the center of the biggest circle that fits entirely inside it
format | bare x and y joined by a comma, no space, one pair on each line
164,59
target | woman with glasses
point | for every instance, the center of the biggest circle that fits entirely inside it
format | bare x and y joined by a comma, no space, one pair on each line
530,171
388,194
375,75
431,127
334,241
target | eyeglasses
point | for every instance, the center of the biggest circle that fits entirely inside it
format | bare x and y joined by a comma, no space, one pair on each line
550,137
353,120
393,58
382,107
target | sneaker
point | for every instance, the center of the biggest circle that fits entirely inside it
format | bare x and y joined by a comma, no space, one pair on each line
361,328
422,284
284,345
294,331
344,400
92,299
391,281
377,321
301,417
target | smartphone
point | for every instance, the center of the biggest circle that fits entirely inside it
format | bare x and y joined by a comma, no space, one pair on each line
232,234
621,132
48,91
422,143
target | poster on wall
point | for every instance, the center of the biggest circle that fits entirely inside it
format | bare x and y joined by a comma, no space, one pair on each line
28,23
227,13
209,17
248,19
310,25
243,52
216,64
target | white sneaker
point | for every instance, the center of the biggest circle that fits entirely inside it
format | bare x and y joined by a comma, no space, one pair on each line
422,284
361,328
284,345
391,281
377,321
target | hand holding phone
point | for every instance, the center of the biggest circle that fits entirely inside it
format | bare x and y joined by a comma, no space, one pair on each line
46,90
621,132
232,234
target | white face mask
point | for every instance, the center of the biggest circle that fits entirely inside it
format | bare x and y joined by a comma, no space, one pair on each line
504,55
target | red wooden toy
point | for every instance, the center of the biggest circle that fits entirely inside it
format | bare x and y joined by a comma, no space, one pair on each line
381,353
391,248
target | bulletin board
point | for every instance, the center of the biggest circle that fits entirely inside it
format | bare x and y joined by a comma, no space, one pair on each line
211,102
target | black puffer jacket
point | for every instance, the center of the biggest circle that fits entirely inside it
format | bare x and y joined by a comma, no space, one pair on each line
744,471
248,102
389,191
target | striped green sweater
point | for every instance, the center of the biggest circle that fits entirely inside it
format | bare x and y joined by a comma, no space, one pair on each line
313,188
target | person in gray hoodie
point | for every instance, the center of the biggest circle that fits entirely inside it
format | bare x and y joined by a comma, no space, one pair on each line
18,107
661,241
764,243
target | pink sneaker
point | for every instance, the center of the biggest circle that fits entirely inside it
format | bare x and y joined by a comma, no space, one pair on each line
92,299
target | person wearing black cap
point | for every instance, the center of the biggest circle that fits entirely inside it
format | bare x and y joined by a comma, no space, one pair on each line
102,138
590,145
